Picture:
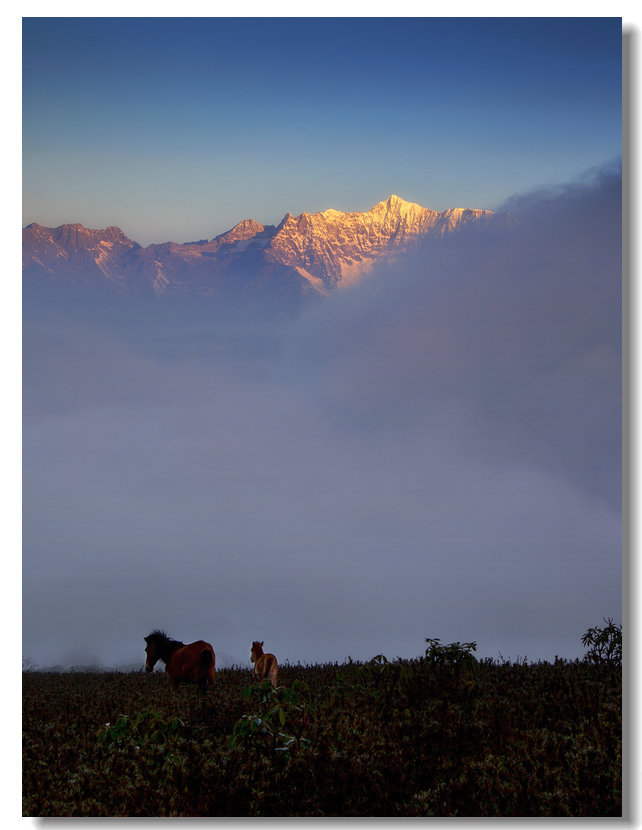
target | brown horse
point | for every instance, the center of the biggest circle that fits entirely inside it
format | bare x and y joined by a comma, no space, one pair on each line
265,665
193,663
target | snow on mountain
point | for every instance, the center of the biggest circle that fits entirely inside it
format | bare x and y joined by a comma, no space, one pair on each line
339,248
73,254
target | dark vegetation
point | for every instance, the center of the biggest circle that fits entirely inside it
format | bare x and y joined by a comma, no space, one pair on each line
442,735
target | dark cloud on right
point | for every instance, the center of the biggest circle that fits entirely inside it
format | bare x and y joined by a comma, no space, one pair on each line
515,335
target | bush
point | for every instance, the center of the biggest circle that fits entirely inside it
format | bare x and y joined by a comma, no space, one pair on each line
605,644
455,654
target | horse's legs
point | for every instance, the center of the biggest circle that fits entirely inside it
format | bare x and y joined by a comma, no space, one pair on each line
205,669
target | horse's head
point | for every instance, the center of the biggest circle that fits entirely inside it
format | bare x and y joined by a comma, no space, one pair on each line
152,650
256,652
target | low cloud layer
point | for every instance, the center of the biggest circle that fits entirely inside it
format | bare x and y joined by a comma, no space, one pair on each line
432,453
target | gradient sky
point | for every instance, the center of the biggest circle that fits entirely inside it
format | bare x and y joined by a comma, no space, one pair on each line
435,453
176,129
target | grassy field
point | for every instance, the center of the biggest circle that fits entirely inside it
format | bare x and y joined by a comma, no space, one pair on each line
402,738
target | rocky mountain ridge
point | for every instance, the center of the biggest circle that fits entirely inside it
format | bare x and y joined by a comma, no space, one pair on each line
304,257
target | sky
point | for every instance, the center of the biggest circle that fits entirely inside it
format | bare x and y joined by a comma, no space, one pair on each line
433,453
177,129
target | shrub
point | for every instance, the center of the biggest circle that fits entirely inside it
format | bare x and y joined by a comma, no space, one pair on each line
605,644
456,658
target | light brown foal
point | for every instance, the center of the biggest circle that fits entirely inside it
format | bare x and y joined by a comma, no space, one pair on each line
265,665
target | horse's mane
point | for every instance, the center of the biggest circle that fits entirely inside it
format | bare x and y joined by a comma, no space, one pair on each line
158,635
165,645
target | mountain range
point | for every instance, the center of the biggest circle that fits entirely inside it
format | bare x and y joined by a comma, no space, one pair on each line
305,257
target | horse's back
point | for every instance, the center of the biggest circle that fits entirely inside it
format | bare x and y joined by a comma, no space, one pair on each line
199,646
267,666
194,662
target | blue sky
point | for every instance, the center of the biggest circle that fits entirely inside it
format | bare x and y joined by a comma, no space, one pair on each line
179,128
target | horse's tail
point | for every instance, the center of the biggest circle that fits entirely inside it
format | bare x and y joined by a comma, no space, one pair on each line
204,663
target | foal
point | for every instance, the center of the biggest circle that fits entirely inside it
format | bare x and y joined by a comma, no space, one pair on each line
265,665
